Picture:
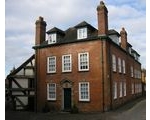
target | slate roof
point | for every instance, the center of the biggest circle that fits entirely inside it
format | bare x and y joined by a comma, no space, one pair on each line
55,30
113,32
129,45
83,24
133,51
70,35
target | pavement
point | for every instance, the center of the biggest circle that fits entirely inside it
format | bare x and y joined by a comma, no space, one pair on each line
134,110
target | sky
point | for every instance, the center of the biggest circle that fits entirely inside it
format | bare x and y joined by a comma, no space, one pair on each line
20,17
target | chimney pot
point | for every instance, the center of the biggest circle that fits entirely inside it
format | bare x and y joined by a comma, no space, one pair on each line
101,3
41,18
123,31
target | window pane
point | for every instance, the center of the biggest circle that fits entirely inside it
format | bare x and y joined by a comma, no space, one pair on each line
120,89
114,63
123,66
115,89
52,38
84,91
82,33
66,63
51,64
51,91
124,86
83,61
119,65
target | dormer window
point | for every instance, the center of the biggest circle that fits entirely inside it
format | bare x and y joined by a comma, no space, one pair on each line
52,38
82,33
114,35
130,50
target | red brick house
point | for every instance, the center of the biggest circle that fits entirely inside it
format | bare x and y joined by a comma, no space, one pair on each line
93,69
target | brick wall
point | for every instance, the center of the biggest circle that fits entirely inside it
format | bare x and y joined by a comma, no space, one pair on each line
93,76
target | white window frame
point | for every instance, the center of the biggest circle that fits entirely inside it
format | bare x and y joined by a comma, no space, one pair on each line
115,90
120,89
114,63
135,88
123,66
52,38
140,74
51,91
87,92
49,65
130,50
132,88
131,68
135,73
140,87
86,62
82,33
67,62
125,88
119,65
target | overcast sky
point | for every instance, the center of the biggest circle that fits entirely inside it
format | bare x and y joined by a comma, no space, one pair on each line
20,17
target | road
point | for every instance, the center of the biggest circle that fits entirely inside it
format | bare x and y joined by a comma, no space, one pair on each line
135,110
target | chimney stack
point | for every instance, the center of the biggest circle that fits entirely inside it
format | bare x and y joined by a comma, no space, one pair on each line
40,31
123,34
102,13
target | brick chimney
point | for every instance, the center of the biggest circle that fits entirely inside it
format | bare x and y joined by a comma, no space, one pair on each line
102,19
123,34
40,31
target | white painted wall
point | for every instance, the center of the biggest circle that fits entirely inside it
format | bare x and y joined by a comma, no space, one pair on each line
29,72
22,82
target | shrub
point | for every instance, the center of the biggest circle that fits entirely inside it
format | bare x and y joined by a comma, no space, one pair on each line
74,109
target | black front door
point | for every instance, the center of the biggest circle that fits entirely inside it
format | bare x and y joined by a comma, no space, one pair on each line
67,99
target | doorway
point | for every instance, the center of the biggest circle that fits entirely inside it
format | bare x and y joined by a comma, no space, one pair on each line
67,99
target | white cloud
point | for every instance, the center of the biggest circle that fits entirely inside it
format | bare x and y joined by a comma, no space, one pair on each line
123,11
18,48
